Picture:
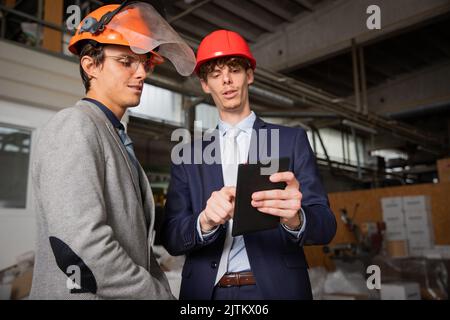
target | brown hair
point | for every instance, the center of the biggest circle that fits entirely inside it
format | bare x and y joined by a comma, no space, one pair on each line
230,61
94,50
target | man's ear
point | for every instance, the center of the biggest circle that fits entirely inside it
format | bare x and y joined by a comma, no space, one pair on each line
88,65
205,86
250,75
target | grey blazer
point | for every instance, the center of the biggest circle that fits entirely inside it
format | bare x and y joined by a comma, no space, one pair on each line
94,230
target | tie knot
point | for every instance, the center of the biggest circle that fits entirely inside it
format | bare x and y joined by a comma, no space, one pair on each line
233,133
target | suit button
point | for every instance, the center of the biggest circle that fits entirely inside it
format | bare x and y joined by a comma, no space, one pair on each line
213,264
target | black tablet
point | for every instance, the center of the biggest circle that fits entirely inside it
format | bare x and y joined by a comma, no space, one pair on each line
253,178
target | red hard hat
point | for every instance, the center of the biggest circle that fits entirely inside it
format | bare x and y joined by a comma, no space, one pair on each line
222,43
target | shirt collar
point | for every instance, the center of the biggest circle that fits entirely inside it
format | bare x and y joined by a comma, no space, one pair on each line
245,125
108,113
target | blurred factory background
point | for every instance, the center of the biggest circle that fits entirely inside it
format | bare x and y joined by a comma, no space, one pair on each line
375,104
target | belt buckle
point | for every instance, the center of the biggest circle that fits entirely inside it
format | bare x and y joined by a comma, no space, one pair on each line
228,282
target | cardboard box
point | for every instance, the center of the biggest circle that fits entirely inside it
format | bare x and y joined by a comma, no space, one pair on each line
443,167
420,241
444,251
397,248
418,219
21,286
394,219
400,291
421,234
392,206
394,232
416,203
419,249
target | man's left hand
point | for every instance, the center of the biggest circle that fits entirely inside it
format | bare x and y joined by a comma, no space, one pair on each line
282,203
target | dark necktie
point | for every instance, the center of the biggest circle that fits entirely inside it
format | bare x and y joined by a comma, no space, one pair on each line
130,150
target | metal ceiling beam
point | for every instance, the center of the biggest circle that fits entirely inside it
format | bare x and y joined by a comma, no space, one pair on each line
251,13
336,78
424,89
224,19
307,95
188,11
297,114
193,42
337,88
305,4
327,33
389,57
33,18
315,98
379,70
199,28
433,40
403,47
275,8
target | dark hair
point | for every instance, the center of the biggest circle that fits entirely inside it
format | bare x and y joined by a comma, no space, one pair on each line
96,52
230,61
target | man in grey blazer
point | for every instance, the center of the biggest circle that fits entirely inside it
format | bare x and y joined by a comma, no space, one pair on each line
94,204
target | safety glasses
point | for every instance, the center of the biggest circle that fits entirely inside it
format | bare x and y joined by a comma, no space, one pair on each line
132,62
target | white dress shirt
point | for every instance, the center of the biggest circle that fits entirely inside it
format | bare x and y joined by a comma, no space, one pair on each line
238,258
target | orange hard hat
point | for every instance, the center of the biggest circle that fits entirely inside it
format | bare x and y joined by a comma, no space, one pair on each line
140,27
222,43
95,27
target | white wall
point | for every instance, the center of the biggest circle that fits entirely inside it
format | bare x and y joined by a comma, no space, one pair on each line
17,226
33,86
38,79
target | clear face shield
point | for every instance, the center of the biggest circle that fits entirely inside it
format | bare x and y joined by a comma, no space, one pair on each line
145,30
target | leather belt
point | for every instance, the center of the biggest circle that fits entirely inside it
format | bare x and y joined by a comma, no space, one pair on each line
237,279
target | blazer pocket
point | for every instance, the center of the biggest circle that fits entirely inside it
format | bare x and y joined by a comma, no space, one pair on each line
295,260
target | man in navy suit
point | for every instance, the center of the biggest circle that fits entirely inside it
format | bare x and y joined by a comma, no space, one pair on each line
267,264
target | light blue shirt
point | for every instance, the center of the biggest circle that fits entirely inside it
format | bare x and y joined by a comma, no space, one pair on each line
238,258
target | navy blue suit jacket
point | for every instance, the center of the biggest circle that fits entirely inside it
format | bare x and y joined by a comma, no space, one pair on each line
276,257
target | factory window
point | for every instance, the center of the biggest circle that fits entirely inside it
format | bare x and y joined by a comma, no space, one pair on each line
389,154
14,161
206,115
338,149
159,104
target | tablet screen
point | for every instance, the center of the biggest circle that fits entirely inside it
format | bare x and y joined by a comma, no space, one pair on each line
253,178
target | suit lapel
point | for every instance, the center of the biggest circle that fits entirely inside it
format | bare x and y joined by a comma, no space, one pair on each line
138,182
147,201
256,143
211,174
118,143
124,153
